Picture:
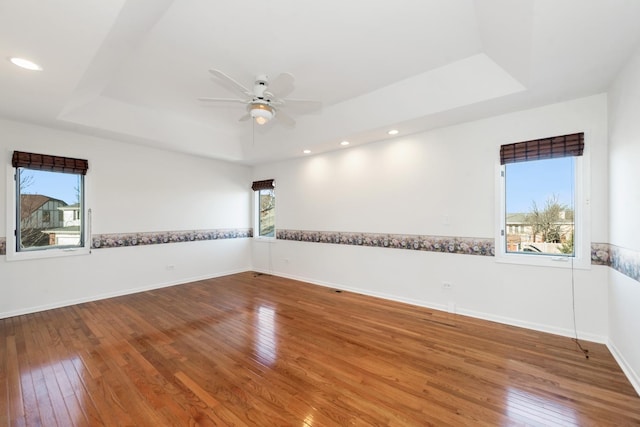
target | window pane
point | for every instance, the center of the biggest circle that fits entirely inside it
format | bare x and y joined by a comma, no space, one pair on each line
539,217
49,209
266,220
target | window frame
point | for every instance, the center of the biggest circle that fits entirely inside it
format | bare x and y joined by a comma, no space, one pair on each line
12,222
582,227
257,187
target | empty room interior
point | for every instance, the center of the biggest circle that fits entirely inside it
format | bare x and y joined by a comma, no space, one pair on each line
314,214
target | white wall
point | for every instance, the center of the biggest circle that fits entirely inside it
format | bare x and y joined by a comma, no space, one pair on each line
624,195
404,185
409,185
130,189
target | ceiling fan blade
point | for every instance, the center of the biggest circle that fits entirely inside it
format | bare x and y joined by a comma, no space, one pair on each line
285,119
245,118
303,106
231,83
241,101
282,85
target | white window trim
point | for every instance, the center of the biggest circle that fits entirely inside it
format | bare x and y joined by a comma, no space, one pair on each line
256,220
582,232
11,224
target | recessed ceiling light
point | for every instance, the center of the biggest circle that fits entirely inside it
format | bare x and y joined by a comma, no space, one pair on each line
393,132
25,63
344,143
307,151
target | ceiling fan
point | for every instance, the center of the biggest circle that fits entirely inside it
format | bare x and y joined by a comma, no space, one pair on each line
267,98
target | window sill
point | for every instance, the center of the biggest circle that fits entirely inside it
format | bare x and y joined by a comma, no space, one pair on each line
46,253
264,239
544,261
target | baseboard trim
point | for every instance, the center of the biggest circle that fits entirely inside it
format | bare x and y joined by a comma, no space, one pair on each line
632,376
98,297
569,333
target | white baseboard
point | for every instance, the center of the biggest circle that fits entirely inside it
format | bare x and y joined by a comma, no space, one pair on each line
67,303
570,333
634,377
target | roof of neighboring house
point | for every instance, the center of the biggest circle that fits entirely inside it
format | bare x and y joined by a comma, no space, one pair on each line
73,207
516,218
29,203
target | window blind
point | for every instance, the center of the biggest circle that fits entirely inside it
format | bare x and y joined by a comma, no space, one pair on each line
50,163
267,184
546,148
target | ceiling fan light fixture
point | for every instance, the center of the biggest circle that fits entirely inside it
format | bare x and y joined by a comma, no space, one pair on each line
262,113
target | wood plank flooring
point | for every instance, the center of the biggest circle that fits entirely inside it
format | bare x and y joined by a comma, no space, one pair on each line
258,350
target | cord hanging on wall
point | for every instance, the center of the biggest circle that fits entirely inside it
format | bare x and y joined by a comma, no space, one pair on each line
573,284
575,327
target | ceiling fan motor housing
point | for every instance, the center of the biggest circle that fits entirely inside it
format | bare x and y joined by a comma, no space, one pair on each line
260,86
262,79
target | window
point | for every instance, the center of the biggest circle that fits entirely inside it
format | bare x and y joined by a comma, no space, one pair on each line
265,202
541,209
48,205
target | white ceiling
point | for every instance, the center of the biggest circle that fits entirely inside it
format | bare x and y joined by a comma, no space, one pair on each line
133,69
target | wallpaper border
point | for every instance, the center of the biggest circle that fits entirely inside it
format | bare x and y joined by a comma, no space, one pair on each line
446,244
116,240
601,254
623,260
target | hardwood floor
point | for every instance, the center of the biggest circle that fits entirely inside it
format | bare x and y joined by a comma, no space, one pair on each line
259,350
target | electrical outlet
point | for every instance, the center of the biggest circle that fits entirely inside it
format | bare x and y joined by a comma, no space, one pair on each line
446,285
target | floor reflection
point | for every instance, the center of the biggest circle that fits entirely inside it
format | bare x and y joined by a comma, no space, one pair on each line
308,421
61,378
266,347
536,408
